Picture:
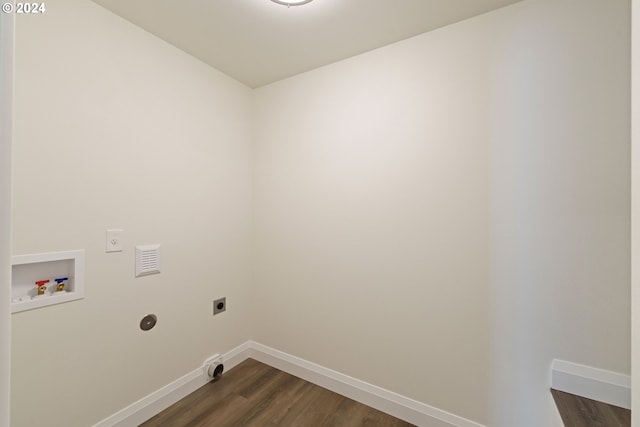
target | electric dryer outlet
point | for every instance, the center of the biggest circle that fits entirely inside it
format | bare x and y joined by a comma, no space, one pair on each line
219,305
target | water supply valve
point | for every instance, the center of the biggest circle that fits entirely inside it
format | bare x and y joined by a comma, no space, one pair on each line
60,284
41,287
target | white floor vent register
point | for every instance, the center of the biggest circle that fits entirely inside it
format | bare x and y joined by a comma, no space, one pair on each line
147,260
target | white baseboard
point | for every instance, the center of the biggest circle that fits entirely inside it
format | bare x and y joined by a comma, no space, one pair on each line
592,383
145,408
383,400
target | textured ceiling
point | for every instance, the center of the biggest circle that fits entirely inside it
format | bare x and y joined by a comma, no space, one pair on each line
258,42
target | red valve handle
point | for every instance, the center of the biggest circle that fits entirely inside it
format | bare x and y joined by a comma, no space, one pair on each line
41,282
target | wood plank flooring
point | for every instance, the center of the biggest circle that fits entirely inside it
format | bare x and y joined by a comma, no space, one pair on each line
255,394
577,411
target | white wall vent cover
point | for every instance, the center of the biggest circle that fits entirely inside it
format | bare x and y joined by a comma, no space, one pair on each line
147,260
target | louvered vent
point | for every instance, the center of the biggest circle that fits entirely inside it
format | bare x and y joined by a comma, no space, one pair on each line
147,260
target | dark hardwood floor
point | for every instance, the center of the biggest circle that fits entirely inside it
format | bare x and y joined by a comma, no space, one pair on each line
577,411
254,394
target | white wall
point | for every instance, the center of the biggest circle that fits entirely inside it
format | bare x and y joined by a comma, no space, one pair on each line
6,129
444,216
116,129
562,192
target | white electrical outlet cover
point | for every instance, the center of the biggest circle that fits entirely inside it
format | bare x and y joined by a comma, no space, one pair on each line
113,241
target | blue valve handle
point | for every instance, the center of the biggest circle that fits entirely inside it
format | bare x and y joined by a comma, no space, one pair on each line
61,279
